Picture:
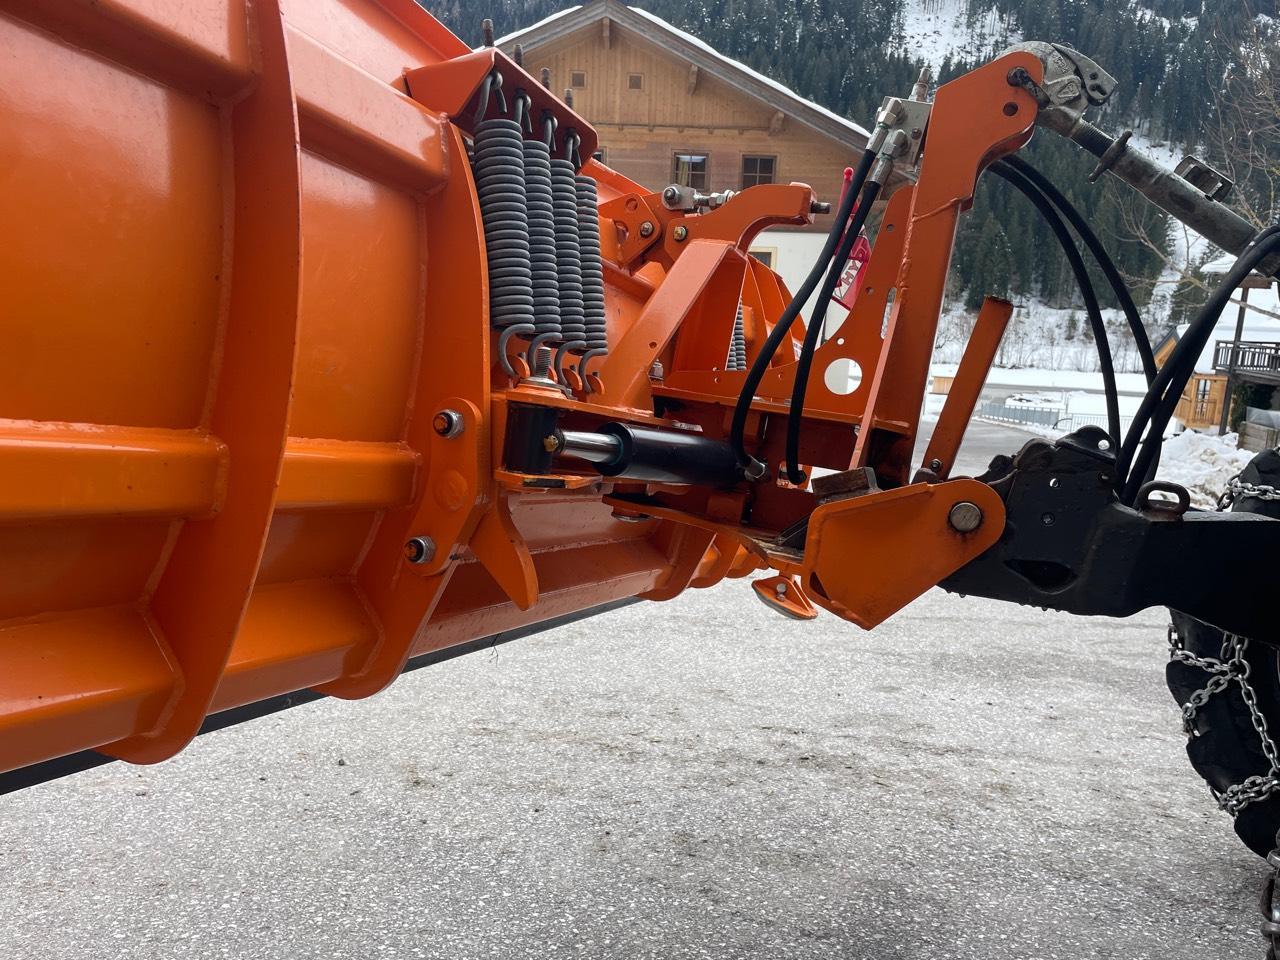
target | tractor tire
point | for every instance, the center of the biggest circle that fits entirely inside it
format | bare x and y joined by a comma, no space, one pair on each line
1223,746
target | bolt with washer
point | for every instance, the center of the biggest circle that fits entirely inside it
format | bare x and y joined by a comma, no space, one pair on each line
448,423
965,516
646,228
680,232
420,550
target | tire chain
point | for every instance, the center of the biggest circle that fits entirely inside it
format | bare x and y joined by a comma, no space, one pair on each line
1231,665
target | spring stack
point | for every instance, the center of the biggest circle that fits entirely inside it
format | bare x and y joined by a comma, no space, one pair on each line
542,242
498,162
597,330
573,327
737,359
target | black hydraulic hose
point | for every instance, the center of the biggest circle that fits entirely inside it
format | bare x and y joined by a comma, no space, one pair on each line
1162,398
780,330
1059,229
1100,255
816,322
1181,355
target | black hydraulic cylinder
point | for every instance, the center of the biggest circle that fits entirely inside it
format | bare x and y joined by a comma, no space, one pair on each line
632,452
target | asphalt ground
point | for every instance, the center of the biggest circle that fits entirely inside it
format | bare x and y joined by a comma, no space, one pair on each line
699,778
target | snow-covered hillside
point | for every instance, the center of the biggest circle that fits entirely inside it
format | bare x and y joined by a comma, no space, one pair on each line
936,29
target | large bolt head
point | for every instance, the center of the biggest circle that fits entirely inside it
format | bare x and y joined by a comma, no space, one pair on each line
447,423
420,550
965,516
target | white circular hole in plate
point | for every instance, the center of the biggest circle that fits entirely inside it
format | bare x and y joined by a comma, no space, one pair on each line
842,376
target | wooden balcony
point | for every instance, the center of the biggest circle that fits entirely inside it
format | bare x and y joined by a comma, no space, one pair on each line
1254,359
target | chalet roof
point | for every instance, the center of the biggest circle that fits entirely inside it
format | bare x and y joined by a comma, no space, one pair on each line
695,51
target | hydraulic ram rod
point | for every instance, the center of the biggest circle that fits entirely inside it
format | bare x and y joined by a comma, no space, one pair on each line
1171,193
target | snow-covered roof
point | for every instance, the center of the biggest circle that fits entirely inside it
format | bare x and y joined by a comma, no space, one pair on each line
742,67
515,35
806,111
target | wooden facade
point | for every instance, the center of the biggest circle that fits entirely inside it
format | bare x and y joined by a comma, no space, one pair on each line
654,94
1201,406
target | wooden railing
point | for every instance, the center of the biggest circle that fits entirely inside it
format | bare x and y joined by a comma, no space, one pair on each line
1250,355
1198,412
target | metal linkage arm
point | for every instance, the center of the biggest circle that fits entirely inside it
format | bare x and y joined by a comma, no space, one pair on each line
1073,83
1069,544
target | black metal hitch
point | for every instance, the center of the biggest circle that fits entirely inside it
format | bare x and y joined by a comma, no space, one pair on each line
1069,544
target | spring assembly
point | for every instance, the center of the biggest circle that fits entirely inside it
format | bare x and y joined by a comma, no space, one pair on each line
597,331
498,162
737,359
564,191
542,245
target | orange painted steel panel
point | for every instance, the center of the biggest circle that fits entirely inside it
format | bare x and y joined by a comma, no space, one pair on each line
351,114
200,46
294,635
60,470
362,303
305,545
346,474
383,39
73,565
202,593
113,216
78,682
459,484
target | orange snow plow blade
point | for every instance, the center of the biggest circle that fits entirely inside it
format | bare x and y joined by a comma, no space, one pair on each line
270,431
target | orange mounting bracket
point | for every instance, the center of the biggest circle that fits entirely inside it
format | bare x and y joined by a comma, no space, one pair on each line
979,353
450,86
785,595
855,559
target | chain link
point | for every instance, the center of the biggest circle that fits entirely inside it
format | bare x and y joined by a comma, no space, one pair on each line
1232,665
1238,489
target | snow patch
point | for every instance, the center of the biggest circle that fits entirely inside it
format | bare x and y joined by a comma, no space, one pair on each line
1202,464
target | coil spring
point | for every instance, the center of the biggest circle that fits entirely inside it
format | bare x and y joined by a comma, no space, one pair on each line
573,326
499,172
737,359
542,245
597,330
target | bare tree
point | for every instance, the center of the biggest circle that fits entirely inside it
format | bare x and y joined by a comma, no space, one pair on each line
1242,140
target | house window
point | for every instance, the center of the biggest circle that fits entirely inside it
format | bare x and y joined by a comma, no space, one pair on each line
764,256
756,170
578,78
1202,389
689,170
635,81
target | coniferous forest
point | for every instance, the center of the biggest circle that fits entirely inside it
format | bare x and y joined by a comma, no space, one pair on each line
1170,58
